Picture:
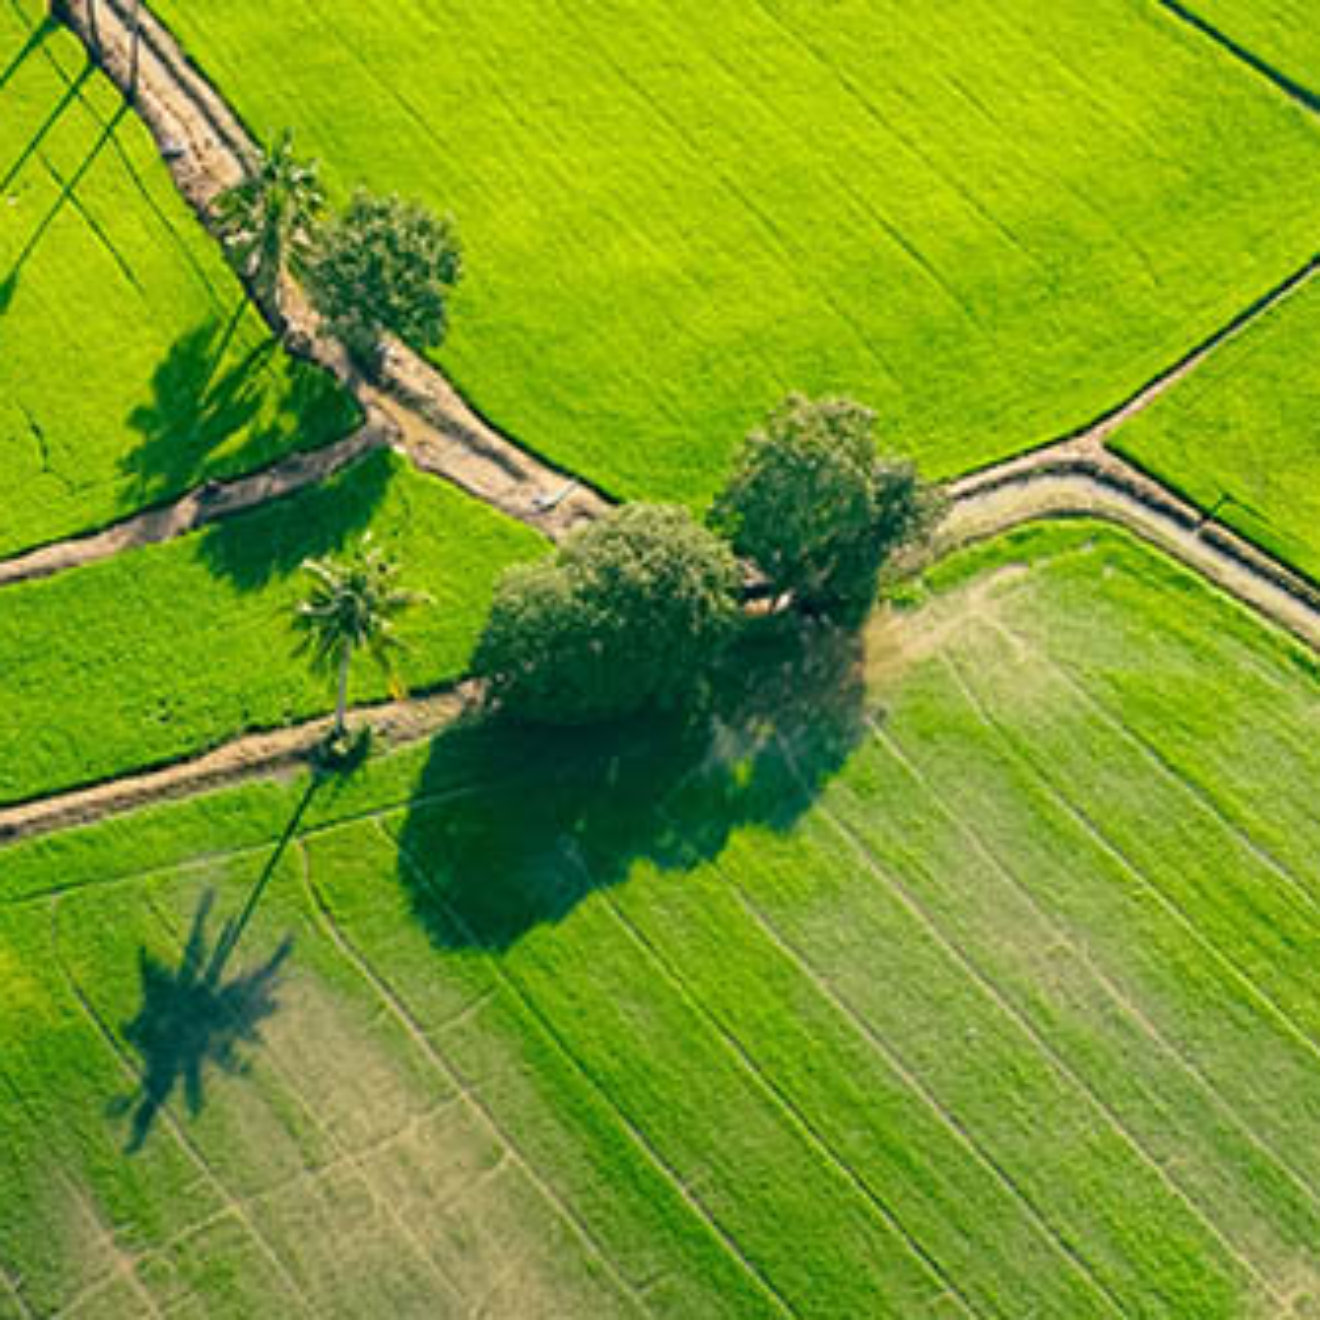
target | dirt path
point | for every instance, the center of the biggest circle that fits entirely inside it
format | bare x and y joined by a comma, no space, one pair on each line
254,756
205,146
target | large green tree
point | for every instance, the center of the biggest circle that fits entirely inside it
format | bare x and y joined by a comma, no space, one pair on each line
386,265
631,611
268,221
815,507
353,605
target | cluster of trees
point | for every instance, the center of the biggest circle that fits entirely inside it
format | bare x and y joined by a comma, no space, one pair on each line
382,265
638,608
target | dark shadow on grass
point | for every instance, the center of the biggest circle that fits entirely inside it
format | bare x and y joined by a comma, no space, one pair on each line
197,405
71,93
511,827
272,541
192,1017
220,406
66,194
35,39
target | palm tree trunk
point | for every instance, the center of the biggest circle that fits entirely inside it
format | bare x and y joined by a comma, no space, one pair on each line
341,704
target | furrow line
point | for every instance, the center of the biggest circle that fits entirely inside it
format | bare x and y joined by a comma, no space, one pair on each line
800,1119
1180,778
1110,849
345,1157
894,1062
626,1123
1045,1048
1115,993
185,1142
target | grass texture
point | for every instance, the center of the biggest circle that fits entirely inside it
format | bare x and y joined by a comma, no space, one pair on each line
130,366
1242,434
167,650
986,988
990,221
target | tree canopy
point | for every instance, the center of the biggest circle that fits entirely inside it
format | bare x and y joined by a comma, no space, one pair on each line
816,508
386,265
631,611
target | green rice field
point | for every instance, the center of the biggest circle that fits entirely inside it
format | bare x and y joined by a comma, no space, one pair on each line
1283,34
991,221
167,650
983,987
131,366
1242,434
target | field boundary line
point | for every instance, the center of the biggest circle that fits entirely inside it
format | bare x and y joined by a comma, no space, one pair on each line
1049,1054
1182,780
429,1050
795,1112
1258,65
347,1157
626,1124
1110,849
176,1127
1112,989
894,1063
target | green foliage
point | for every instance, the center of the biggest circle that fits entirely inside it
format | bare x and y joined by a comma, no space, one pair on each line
354,605
386,265
268,221
812,505
991,220
632,611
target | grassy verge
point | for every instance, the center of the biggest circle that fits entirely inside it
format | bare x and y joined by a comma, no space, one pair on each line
989,987
1241,435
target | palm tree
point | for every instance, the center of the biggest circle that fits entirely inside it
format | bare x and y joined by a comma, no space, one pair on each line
351,606
268,220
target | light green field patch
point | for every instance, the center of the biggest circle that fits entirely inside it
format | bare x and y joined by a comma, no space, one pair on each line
131,367
989,221
988,987
1282,33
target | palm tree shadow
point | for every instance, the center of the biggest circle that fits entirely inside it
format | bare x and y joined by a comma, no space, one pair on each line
210,392
512,828
195,407
193,1018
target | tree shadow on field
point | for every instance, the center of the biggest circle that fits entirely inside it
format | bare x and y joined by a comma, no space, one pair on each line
192,1017
273,540
208,392
512,827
